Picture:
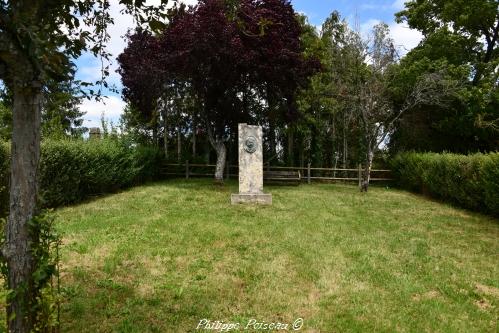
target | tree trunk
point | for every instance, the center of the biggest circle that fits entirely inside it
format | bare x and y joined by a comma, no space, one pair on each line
290,147
367,170
207,151
336,156
179,145
23,201
335,152
345,146
165,134
219,146
272,141
155,134
302,153
345,151
221,157
194,132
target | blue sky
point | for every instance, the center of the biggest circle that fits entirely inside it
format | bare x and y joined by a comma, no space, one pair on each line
366,13
318,10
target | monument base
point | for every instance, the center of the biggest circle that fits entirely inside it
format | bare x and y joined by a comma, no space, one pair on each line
251,198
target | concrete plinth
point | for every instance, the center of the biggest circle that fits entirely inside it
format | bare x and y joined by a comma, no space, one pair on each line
261,199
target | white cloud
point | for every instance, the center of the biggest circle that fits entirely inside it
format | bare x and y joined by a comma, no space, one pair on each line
124,22
405,38
90,72
112,106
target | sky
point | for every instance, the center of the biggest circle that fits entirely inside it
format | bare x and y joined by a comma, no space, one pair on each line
365,13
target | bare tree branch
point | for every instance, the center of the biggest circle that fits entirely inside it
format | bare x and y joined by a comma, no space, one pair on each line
431,89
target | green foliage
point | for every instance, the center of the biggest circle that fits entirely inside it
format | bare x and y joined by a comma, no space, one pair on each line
4,178
72,170
471,181
470,17
460,37
61,115
327,130
5,122
45,287
46,275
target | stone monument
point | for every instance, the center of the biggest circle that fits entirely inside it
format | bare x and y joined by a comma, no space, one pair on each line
251,167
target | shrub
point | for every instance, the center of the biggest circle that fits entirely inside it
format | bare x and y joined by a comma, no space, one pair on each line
71,170
469,181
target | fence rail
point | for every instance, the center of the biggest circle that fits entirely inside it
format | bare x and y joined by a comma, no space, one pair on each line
308,173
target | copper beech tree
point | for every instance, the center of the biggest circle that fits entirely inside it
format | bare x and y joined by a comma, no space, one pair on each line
142,76
226,52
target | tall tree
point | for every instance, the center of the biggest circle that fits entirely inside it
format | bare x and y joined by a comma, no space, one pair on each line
143,78
204,47
61,115
377,112
460,37
477,21
227,51
346,68
316,104
38,41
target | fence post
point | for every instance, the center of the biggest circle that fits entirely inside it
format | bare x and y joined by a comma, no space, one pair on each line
227,170
308,173
360,174
187,169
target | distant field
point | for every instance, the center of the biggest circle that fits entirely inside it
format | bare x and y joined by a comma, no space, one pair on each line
162,257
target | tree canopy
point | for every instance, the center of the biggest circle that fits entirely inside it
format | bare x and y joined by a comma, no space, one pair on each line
230,54
460,37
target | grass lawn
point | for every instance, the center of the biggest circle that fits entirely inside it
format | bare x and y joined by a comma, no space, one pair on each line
161,257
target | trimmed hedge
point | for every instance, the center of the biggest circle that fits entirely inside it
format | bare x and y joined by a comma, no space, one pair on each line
470,181
71,171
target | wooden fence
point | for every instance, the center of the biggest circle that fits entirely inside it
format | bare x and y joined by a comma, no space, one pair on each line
307,173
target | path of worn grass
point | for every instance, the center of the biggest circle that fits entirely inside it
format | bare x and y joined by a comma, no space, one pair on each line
159,258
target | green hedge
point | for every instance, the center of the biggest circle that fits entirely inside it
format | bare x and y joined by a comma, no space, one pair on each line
471,181
71,171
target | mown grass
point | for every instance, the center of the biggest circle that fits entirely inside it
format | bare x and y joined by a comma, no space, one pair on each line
161,257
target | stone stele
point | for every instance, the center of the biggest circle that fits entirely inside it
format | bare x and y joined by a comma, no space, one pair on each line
251,167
